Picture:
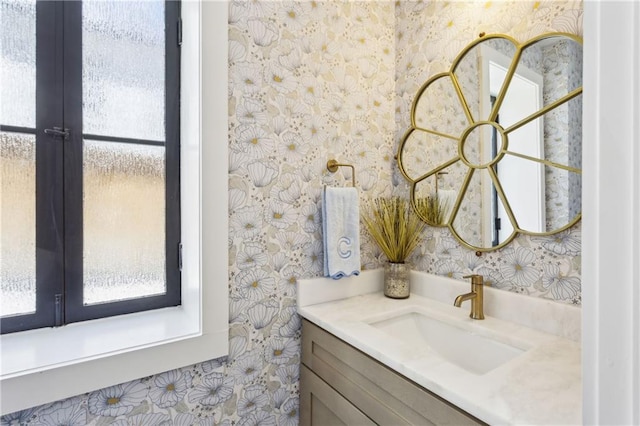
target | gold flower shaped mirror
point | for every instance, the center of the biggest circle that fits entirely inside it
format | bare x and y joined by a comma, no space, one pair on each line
494,147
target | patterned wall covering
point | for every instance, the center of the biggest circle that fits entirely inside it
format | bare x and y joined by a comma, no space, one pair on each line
562,145
309,81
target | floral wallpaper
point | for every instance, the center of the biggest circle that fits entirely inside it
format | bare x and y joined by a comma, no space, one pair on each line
310,81
562,67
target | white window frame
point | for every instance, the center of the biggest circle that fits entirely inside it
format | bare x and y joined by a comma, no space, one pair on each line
46,365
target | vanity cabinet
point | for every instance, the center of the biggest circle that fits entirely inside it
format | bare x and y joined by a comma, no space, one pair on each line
341,385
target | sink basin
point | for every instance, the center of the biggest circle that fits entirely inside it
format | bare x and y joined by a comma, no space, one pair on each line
475,353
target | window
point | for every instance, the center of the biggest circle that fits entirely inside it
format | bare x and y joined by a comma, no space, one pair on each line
94,354
90,151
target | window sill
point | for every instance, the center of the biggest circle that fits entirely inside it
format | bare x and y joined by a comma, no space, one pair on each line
39,350
83,357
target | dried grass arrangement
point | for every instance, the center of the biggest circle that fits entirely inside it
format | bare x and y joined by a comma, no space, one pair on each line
394,226
432,209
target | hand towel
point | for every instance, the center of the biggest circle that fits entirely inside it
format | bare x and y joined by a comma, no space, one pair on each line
341,232
447,198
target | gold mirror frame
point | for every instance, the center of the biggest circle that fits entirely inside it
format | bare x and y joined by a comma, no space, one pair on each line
472,124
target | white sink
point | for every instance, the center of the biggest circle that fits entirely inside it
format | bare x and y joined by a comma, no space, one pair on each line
476,353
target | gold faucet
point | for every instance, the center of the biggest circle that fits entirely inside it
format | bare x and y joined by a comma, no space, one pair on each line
476,297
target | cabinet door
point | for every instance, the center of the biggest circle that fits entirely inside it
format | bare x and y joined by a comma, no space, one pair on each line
321,405
383,395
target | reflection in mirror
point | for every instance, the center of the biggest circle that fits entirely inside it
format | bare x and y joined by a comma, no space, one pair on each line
516,125
482,145
435,195
471,70
423,152
522,182
563,196
422,196
557,61
527,140
466,74
545,74
439,109
501,226
449,184
465,222
498,227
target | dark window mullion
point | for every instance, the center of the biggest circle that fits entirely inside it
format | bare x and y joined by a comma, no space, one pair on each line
172,150
49,209
50,226
49,159
73,156
18,129
116,139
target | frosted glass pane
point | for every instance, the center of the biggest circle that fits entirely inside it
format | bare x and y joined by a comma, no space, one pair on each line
123,68
124,221
17,224
18,63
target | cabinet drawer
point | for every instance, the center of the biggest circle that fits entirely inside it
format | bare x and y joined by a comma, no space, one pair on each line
382,394
321,405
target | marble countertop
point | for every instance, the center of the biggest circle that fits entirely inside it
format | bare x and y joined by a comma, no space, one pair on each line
541,386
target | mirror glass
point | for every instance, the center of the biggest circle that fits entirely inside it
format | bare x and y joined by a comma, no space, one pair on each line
495,143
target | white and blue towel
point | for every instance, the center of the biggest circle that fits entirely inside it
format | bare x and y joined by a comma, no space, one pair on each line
341,232
447,198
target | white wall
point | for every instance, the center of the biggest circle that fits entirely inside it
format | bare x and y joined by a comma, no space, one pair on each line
611,230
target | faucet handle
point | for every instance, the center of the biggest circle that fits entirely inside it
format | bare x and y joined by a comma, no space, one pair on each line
475,279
